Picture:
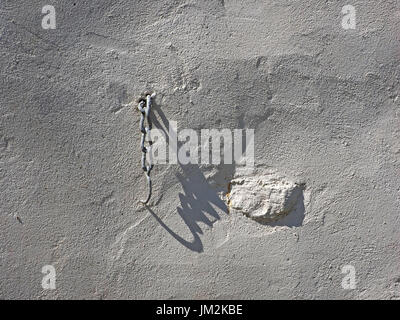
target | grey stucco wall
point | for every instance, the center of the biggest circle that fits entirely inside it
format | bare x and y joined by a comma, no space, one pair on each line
324,105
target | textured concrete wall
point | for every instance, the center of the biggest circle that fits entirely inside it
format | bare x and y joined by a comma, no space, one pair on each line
323,101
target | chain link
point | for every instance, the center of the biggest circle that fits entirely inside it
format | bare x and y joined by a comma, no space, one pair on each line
145,108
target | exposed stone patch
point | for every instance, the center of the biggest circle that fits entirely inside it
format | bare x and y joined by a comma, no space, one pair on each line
264,198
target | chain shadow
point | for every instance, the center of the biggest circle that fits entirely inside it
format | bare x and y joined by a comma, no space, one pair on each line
197,199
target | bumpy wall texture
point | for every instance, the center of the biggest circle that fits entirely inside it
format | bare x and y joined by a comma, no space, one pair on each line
322,99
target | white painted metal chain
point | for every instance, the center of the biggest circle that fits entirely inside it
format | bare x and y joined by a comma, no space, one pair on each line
145,109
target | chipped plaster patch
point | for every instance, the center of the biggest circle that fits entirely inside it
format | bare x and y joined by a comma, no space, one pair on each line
264,197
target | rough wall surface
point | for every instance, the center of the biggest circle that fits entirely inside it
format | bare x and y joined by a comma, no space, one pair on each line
324,105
